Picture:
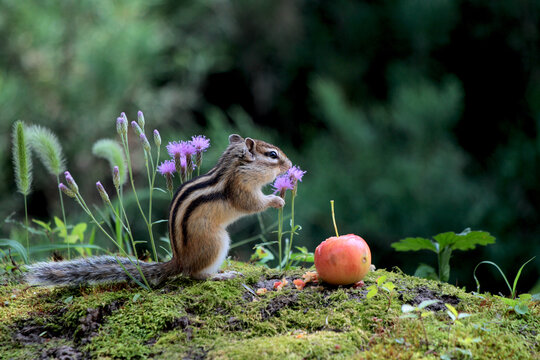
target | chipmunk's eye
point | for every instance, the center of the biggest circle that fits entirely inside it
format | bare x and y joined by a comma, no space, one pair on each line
272,154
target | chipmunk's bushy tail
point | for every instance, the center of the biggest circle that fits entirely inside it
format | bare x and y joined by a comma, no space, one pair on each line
97,269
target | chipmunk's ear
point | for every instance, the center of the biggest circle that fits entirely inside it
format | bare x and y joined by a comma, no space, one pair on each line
250,144
235,138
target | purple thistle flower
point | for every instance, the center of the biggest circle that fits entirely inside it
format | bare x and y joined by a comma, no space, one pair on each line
71,182
136,127
183,148
121,126
167,167
174,148
200,143
282,184
123,115
103,193
157,138
140,119
66,190
295,173
145,142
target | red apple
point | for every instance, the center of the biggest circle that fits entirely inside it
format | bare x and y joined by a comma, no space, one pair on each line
342,260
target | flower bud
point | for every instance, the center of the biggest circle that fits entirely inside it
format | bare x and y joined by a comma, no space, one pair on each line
103,193
66,190
121,126
71,182
116,177
123,115
145,143
137,128
157,138
140,119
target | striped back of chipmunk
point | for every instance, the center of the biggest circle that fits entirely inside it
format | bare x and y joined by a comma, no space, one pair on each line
198,191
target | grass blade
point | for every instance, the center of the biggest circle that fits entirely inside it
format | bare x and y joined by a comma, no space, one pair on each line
518,275
17,246
498,268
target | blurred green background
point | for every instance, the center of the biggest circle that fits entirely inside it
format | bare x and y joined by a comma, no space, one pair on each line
416,117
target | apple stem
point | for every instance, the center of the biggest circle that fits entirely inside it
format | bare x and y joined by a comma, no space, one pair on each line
334,217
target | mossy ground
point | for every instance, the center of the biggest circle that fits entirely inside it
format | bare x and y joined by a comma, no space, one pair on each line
225,320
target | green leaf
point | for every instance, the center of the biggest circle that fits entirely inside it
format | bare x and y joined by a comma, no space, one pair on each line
136,297
388,286
521,308
463,315
71,239
68,300
518,276
380,280
426,303
302,249
159,221
426,272
60,226
46,226
467,240
17,246
414,244
79,230
452,316
407,308
452,309
51,247
525,297
372,292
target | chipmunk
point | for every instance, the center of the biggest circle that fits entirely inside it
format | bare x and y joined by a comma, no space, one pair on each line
199,214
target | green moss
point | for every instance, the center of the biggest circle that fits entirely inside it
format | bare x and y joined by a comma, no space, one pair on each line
222,319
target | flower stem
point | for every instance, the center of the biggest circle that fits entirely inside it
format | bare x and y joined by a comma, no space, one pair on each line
63,212
26,224
126,149
280,234
288,263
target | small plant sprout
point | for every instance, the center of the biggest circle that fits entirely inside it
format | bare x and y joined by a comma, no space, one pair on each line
513,289
443,245
454,316
381,284
418,312
23,167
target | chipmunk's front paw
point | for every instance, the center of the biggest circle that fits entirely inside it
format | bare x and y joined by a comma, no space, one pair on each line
276,202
